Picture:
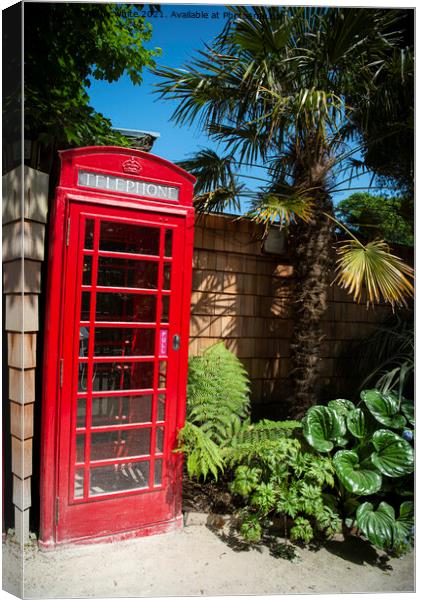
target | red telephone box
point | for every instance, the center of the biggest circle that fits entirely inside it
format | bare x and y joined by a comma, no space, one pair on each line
116,346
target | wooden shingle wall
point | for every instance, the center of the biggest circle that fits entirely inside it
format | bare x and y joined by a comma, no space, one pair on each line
25,205
245,297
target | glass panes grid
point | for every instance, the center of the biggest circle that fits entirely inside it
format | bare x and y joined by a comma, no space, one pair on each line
112,428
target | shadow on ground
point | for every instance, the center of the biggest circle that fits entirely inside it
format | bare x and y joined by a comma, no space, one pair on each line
358,551
352,549
228,533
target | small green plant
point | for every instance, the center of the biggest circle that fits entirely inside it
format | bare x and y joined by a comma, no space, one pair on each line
218,406
277,479
371,452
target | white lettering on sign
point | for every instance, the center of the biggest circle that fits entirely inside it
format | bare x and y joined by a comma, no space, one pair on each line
128,186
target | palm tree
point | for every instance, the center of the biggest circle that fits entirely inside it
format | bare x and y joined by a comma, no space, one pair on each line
273,88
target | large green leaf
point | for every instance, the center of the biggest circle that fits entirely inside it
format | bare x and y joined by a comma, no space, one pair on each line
354,477
356,423
322,427
377,525
384,408
341,406
407,407
404,524
394,456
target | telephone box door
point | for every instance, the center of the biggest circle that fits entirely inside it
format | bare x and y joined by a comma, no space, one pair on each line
120,369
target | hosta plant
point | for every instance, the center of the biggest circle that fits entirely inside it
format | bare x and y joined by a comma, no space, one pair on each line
372,455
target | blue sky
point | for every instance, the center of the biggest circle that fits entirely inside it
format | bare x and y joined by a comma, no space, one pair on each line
137,107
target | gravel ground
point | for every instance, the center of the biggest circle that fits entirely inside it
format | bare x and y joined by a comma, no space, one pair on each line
203,560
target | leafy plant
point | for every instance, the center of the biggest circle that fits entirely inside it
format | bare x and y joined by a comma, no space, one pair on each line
68,45
377,460
373,216
312,474
386,359
278,479
217,406
203,455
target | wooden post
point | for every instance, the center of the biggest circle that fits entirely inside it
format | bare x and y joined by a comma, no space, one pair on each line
25,205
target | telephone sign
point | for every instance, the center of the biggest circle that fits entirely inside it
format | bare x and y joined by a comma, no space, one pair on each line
129,186
116,346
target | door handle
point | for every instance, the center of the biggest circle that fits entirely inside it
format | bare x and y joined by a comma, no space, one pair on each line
176,342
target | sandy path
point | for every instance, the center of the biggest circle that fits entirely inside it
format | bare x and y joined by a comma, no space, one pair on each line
195,562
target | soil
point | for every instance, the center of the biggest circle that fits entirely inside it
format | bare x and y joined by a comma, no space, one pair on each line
208,497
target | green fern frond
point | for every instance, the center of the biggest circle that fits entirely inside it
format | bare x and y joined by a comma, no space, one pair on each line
217,403
262,440
217,392
203,455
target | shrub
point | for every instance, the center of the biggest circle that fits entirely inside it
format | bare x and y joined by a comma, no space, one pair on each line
343,465
373,457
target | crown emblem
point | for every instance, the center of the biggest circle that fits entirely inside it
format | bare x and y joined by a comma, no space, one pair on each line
132,166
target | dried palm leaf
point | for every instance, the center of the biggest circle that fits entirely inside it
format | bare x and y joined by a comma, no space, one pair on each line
371,267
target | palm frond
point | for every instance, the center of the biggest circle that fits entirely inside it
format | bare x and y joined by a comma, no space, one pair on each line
395,378
210,169
219,200
249,141
283,206
217,187
386,358
373,269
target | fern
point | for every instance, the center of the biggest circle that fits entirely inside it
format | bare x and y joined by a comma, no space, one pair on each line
217,405
217,392
256,440
203,455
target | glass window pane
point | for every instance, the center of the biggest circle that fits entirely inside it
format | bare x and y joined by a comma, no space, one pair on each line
89,234
159,446
119,478
87,270
165,309
121,410
78,483
167,277
80,448
168,242
81,412
119,444
83,341
162,381
120,272
124,237
161,407
86,305
125,307
113,341
82,379
158,472
122,376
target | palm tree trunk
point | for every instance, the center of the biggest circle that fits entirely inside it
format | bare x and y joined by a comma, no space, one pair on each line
312,258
